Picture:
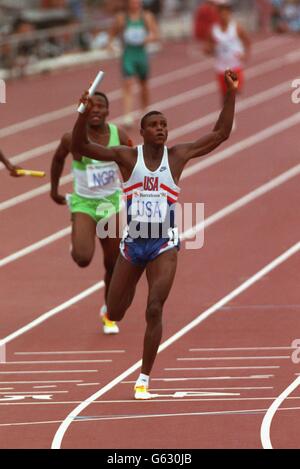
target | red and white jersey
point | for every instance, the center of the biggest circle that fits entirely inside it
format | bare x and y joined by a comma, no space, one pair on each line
148,193
228,47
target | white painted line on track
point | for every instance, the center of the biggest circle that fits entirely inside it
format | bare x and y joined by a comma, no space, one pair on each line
279,357
253,195
166,78
155,398
71,352
241,388
196,124
89,419
213,378
6,389
56,443
34,247
267,420
32,392
51,381
225,368
53,311
45,386
38,362
87,384
46,371
222,349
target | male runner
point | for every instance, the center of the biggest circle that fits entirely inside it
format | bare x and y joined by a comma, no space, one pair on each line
151,173
229,43
96,196
136,28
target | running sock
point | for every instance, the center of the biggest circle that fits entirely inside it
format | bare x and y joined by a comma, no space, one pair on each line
103,310
143,380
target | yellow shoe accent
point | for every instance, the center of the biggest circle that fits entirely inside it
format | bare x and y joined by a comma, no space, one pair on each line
109,327
141,392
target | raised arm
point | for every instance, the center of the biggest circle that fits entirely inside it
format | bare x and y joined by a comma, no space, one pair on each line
123,155
81,145
221,130
57,166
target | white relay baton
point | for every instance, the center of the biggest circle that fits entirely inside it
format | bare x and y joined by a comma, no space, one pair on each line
92,90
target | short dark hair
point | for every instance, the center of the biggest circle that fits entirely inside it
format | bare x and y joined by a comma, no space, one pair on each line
145,117
99,93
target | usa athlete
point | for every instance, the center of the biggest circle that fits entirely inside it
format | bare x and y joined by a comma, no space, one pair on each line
150,243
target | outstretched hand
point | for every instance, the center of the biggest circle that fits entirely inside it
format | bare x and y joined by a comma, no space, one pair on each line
86,100
231,80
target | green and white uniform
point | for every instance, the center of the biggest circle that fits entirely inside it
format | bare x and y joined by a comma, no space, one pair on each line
97,186
135,58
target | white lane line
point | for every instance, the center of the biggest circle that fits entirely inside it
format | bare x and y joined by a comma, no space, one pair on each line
43,189
34,247
183,399
258,192
279,357
196,124
243,388
225,368
222,349
32,392
158,398
267,420
70,352
89,419
38,362
46,371
45,386
87,384
212,378
56,443
242,145
53,311
166,78
6,389
52,381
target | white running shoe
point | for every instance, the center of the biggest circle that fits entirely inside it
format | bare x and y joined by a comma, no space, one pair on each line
141,392
109,327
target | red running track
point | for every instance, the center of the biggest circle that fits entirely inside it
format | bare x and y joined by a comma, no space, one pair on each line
218,380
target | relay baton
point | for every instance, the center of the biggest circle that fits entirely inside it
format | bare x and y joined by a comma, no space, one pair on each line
29,172
92,90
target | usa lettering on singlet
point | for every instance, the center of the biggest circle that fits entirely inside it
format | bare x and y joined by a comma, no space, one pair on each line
150,195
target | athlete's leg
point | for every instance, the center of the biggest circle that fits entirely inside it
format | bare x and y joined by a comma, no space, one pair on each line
110,246
122,287
144,94
160,275
128,84
83,238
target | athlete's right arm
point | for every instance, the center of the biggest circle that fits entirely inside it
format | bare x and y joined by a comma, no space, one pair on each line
57,166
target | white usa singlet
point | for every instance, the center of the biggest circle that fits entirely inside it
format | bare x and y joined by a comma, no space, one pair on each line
149,194
228,46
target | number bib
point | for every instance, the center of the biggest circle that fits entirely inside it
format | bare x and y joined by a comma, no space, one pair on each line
149,206
100,176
